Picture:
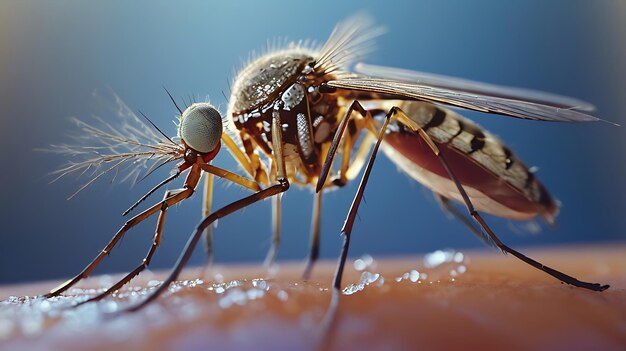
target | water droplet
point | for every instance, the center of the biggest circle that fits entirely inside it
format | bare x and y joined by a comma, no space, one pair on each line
234,296
367,278
255,293
359,265
437,258
282,295
154,283
260,283
366,261
380,282
458,257
352,288
44,306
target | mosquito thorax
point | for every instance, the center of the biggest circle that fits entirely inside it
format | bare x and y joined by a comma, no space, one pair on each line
262,80
200,127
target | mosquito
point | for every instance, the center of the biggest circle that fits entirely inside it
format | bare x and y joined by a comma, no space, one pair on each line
308,115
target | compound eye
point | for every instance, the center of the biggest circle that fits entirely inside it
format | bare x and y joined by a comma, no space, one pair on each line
201,127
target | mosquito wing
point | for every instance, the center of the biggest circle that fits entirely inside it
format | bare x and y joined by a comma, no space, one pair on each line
483,97
473,87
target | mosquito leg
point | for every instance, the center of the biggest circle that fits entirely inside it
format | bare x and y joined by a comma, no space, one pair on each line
273,190
282,185
314,249
362,154
239,156
190,183
328,324
233,177
270,259
479,219
449,208
184,193
207,205
207,202
346,230
339,135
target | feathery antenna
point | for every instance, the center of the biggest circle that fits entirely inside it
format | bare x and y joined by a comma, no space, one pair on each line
174,101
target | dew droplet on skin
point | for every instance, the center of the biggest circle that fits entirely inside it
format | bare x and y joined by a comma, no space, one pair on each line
359,265
366,279
260,284
352,288
282,295
44,306
365,262
154,283
458,257
255,293
437,258
234,296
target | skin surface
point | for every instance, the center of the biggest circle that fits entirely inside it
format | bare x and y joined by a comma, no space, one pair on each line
495,302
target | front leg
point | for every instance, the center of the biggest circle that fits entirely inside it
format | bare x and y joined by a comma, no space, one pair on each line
281,185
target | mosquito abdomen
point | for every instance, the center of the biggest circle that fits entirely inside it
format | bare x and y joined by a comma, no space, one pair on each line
498,182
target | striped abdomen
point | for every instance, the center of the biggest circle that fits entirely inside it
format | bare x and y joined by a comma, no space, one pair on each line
495,179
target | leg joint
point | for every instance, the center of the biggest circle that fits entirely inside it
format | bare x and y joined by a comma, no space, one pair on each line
284,184
339,182
356,105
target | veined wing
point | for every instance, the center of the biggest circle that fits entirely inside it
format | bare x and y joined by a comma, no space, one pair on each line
519,103
472,87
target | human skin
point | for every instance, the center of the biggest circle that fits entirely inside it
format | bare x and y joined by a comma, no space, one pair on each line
495,302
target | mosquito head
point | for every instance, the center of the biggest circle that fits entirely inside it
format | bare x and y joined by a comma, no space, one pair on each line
200,131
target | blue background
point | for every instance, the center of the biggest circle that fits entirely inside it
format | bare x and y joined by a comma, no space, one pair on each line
55,54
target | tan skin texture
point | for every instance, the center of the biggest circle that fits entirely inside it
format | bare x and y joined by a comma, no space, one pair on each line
498,303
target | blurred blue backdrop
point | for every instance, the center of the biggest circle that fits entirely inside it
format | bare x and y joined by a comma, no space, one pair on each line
55,54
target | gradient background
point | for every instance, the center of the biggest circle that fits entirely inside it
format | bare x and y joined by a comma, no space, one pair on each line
53,55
